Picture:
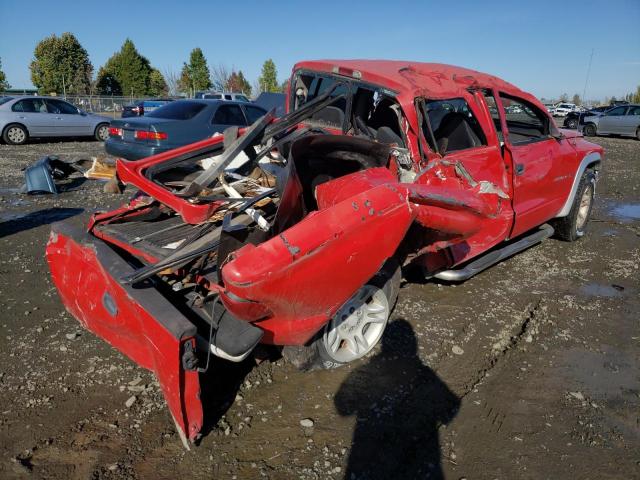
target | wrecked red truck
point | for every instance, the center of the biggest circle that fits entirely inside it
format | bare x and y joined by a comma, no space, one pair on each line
294,232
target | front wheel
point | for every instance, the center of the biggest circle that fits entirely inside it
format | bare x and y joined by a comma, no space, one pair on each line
590,130
572,123
357,326
573,226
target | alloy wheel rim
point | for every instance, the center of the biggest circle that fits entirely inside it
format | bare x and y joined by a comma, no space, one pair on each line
103,133
16,135
358,325
584,207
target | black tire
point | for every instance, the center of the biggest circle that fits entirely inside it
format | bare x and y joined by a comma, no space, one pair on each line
573,226
15,134
590,130
101,132
316,355
638,134
572,123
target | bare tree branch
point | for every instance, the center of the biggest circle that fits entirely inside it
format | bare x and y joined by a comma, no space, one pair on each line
220,76
172,78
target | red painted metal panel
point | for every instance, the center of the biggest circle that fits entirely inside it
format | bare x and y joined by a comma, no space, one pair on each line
103,306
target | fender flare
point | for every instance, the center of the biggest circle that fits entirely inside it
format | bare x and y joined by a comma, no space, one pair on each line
590,159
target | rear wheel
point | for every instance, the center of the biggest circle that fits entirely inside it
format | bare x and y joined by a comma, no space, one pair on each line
15,134
573,226
590,130
638,134
357,326
102,132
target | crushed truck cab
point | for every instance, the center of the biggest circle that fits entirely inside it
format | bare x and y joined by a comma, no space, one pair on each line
294,232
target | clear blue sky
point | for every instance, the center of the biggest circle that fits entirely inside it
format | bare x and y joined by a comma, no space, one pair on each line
541,46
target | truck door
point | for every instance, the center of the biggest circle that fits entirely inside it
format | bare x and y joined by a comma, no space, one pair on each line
543,165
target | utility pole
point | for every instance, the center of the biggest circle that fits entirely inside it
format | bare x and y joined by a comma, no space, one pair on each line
584,90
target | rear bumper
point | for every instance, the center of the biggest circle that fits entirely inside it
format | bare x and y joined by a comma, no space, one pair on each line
131,151
139,322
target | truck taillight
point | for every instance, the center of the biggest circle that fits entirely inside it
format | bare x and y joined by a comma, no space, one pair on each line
115,132
147,135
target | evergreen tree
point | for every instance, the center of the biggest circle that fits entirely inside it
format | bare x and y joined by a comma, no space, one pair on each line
195,75
157,84
4,85
125,73
269,79
60,65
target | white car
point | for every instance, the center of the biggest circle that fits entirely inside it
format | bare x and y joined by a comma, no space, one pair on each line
562,109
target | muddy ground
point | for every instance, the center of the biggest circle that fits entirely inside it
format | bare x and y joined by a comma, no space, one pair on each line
529,370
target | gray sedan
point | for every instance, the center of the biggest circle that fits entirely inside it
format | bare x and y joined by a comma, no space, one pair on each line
176,124
622,120
29,116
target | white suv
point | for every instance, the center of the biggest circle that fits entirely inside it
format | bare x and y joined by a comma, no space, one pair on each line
229,96
562,109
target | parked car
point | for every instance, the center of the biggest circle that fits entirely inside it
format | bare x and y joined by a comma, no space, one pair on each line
227,96
176,124
622,120
142,107
562,109
269,100
379,164
27,117
550,107
573,119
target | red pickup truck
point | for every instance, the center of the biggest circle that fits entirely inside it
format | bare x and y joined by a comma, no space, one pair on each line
294,232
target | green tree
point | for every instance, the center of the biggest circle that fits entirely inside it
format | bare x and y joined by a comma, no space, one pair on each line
237,83
269,79
125,73
576,99
195,75
4,85
636,96
157,84
61,64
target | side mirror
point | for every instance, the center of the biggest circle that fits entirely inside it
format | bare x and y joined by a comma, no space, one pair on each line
82,112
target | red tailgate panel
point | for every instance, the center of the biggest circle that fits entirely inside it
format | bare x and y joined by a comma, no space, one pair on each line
139,322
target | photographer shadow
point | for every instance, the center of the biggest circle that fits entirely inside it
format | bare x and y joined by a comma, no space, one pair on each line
399,404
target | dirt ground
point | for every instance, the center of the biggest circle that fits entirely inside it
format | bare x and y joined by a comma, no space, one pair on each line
529,370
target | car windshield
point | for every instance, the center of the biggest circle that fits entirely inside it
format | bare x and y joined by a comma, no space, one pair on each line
4,100
183,110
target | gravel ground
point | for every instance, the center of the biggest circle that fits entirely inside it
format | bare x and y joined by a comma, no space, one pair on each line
529,370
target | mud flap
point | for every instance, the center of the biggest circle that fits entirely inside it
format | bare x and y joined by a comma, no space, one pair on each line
138,321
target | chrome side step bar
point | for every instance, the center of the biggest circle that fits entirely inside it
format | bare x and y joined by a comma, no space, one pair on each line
495,256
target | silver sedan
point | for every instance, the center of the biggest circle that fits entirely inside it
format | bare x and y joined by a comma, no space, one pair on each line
622,120
30,116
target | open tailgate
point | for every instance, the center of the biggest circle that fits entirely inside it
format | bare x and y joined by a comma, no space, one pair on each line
138,321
